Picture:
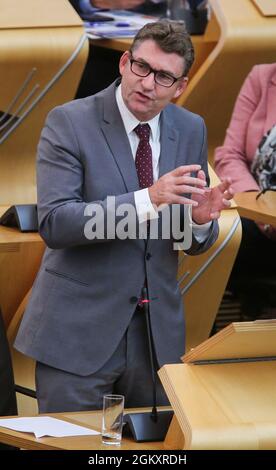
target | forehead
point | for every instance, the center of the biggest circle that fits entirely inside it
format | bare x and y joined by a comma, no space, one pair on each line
151,53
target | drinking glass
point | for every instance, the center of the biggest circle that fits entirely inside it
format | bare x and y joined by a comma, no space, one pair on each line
112,420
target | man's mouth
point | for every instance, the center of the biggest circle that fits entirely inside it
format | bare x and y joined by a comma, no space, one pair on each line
143,97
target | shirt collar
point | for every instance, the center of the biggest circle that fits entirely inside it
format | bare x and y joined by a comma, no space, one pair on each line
130,121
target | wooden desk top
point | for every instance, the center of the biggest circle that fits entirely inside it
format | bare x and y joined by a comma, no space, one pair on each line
90,419
261,210
10,237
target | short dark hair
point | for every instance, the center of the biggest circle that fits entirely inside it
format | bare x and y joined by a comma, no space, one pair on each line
171,36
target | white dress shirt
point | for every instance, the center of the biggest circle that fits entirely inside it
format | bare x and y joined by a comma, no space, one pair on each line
144,207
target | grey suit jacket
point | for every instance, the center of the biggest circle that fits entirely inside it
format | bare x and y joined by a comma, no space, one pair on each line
86,291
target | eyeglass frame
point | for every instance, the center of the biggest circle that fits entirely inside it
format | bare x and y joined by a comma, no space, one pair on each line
154,71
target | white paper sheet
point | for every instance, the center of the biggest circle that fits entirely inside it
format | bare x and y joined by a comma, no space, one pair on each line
46,426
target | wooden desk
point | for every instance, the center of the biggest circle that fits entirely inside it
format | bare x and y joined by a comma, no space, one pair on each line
261,210
90,419
11,238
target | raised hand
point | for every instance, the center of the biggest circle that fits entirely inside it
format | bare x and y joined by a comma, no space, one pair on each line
212,202
169,189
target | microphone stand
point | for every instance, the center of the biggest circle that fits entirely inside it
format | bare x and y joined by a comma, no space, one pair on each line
153,426
145,303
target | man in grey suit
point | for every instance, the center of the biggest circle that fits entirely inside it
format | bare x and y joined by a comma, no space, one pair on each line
83,324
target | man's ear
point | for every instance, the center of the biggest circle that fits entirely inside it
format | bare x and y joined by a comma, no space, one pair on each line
182,85
123,61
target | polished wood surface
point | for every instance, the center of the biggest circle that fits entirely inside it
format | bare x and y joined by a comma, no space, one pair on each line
237,340
266,7
227,405
261,210
90,419
116,44
37,14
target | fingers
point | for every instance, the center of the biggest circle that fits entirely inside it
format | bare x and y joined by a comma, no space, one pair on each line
225,185
184,169
201,175
228,193
173,198
186,189
226,202
189,180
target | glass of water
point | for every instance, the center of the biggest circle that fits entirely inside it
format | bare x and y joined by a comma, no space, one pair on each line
112,420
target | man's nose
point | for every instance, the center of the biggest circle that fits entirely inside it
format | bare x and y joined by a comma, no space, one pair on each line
148,81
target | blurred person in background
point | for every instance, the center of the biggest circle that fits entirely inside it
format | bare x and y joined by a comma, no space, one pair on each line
253,118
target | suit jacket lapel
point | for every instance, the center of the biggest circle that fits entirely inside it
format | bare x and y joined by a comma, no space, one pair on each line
169,144
116,137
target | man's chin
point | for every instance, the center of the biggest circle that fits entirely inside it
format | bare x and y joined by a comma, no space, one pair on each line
142,111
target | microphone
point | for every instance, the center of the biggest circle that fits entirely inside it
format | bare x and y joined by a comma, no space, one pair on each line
153,426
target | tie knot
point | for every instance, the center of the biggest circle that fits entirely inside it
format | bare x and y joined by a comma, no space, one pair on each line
143,131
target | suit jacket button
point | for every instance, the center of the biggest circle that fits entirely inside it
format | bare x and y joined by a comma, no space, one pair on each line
133,300
148,256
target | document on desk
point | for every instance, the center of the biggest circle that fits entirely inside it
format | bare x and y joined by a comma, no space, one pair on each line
125,24
42,426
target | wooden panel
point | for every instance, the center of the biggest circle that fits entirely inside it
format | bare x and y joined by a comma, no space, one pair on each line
37,14
228,404
222,406
266,7
242,340
261,210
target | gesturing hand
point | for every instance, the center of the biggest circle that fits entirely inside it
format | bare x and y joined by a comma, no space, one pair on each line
212,202
169,188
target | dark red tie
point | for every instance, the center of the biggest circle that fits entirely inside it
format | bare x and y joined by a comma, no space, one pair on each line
143,159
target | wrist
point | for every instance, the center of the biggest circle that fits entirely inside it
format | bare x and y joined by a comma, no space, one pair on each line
153,196
197,219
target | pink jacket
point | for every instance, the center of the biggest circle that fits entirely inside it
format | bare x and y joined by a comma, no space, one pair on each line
254,114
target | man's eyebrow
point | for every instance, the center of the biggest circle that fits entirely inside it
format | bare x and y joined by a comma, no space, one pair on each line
139,59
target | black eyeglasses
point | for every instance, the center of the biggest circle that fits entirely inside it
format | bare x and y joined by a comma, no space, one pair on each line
142,69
